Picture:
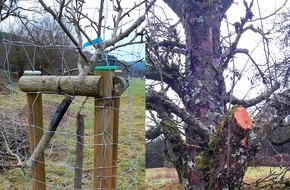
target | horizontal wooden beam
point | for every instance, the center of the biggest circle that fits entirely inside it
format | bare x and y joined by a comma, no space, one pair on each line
72,85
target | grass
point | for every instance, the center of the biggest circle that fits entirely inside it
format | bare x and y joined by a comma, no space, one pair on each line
166,178
160,177
271,177
263,171
60,154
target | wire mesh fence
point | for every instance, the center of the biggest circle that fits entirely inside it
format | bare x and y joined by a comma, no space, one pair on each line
37,42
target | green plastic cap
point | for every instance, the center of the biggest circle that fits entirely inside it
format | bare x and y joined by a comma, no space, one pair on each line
105,68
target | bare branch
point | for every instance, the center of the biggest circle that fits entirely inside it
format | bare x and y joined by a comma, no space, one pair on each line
77,30
233,46
157,101
100,17
263,96
65,29
133,8
272,14
117,20
279,141
237,50
153,133
100,47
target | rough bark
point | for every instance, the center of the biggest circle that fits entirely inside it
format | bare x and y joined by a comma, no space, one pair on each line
220,163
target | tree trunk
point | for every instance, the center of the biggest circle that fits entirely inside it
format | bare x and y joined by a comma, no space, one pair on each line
221,159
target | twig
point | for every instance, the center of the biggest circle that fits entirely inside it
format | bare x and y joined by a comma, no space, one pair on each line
65,29
6,145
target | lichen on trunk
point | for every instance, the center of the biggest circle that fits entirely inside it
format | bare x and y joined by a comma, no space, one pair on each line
217,164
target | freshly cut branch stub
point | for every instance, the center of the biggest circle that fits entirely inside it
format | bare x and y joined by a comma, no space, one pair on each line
243,119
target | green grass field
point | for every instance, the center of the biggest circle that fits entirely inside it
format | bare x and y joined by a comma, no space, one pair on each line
60,154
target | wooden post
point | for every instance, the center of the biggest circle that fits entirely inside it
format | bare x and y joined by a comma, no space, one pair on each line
35,122
104,178
116,103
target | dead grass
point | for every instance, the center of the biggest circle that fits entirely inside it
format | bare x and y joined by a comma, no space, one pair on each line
163,178
167,178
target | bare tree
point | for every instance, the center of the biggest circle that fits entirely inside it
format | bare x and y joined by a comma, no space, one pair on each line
188,82
40,45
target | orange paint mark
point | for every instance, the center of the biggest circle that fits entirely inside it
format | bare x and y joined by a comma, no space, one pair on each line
243,119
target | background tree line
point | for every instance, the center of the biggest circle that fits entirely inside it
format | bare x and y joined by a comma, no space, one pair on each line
45,47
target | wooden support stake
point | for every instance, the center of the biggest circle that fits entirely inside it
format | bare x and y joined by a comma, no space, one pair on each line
104,135
79,151
35,121
116,103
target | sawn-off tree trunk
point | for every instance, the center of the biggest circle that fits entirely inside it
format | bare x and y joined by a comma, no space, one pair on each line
220,161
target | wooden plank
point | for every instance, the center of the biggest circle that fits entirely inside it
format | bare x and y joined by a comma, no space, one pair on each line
35,121
72,85
103,135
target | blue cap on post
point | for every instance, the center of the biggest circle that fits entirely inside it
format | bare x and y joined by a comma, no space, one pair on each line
105,68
